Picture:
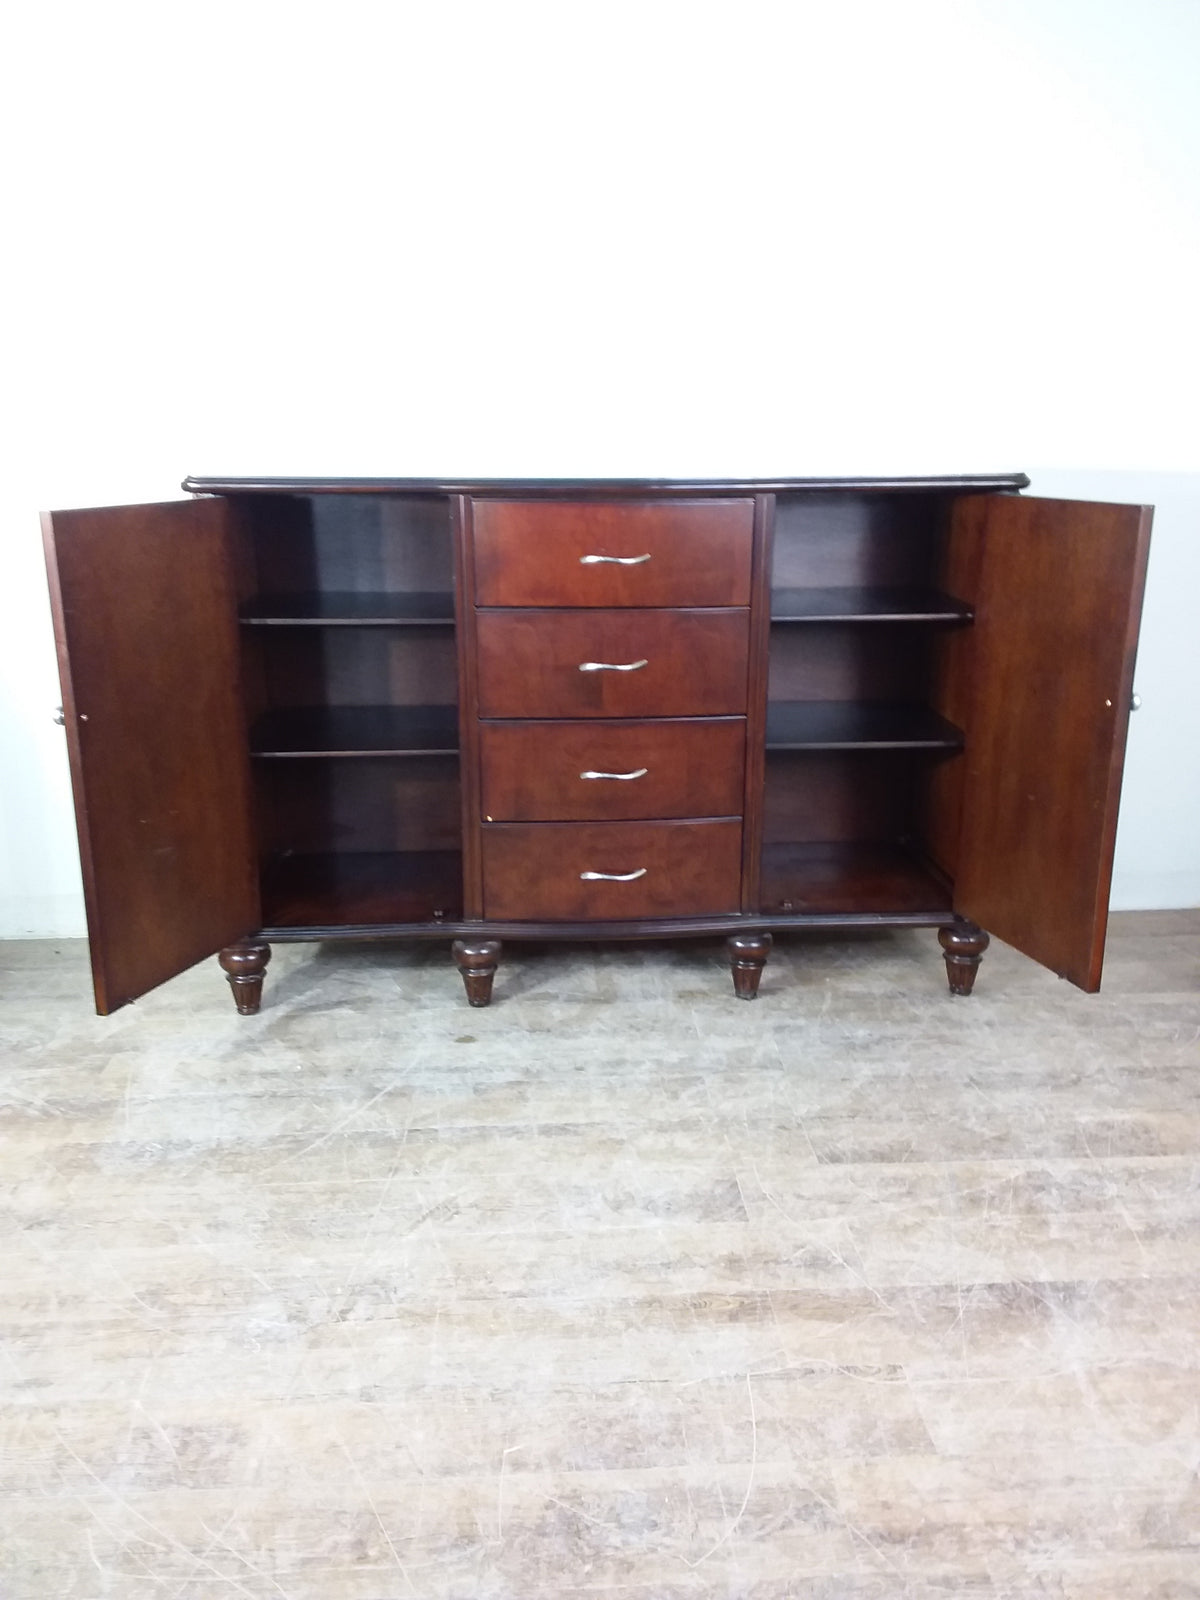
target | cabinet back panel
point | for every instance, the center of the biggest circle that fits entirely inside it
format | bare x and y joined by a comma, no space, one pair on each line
349,544
843,540
356,804
354,666
348,890
827,796
834,661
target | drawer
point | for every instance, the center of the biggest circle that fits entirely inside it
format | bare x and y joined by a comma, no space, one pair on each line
639,553
638,663
532,871
607,771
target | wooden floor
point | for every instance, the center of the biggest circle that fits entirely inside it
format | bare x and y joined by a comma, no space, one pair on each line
620,1289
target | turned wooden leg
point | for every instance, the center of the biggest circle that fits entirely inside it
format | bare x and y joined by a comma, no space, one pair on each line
244,965
477,961
748,954
963,946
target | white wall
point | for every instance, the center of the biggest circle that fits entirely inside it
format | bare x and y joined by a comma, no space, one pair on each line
620,239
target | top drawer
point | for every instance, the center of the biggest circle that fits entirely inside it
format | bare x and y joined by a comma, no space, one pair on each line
598,553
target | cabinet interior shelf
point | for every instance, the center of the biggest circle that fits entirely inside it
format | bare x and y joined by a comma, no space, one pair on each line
867,605
361,889
356,731
854,879
329,609
837,725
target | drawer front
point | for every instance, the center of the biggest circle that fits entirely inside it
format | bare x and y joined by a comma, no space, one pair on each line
694,663
608,771
643,553
532,871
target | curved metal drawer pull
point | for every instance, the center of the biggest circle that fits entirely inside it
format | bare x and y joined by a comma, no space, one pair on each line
613,666
615,561
612,877
622,777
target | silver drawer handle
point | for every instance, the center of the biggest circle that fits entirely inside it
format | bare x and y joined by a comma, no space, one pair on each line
613,666
615,561
612,877
622,777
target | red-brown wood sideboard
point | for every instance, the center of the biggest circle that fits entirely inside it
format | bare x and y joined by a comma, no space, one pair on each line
479,711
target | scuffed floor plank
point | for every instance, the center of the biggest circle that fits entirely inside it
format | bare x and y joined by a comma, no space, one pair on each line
617,1289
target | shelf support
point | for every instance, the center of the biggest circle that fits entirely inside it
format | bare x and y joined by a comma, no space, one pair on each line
477,960
748,954
963,945
244,965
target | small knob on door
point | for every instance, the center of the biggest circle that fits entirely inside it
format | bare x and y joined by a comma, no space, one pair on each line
59,719
1135,702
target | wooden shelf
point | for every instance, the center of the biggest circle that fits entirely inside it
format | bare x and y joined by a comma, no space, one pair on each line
341,891
356,731
866,605
850,879
350,610
849,725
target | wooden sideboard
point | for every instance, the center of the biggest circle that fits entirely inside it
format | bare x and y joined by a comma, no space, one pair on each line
479,711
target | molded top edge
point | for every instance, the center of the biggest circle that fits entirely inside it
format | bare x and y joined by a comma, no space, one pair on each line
552,488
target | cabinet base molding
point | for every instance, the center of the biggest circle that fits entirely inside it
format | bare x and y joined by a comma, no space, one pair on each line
245,966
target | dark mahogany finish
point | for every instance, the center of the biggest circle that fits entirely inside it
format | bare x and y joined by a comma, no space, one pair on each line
894,702
963,946
356,731
477,960
312,609
245,966
748,954
603,488
866,605
852,879
468,704
662,553
347,889
534,871
1055,638
695,663
838,725
145,618
610,770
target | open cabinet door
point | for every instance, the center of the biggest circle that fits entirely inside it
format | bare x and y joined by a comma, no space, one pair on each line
145,618
1056,619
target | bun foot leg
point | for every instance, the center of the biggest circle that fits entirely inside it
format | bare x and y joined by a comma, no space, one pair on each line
477,961
963,945
748,954
244,965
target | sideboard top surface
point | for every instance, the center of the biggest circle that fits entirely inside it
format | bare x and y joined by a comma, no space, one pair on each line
555,488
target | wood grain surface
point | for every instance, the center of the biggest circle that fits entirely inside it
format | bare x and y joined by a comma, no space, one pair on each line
564,553
1054,640
145,617
535,870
